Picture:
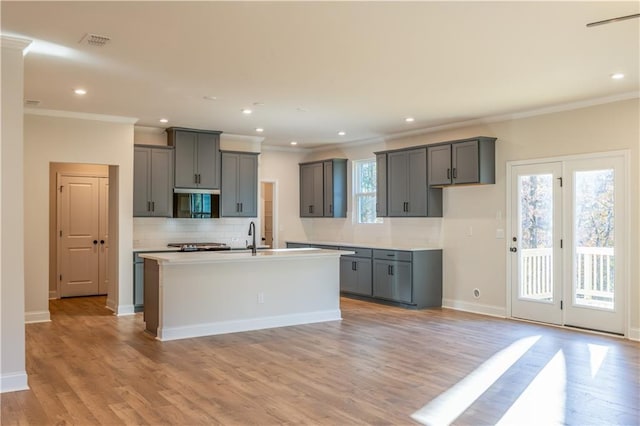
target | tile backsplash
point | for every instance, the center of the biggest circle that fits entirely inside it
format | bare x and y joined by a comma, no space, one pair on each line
156,232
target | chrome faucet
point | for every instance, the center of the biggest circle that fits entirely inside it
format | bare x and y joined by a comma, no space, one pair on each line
252,232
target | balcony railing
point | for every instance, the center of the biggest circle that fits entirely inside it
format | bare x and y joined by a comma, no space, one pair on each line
594,269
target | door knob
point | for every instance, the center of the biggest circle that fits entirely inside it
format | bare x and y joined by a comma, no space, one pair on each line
513,249
95,242
101,241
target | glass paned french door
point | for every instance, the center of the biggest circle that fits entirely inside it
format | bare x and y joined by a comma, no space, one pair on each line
535,242
568,244
596,244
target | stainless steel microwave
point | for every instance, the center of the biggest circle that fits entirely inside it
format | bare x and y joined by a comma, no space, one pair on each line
196,205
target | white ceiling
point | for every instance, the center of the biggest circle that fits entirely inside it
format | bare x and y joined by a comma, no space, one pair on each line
317,68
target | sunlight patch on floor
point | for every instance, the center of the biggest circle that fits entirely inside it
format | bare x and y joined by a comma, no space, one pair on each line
449,405
543,401
597,354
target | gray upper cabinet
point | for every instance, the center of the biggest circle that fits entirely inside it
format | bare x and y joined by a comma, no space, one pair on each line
323,188
407,182
467,161
197,158
152,181
381,185
311,190
239,192
335,188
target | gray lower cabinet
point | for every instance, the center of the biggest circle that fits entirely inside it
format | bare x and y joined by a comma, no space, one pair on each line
152,181
355,272
467,161
412,278
392,280
138,283
239,192
197,162
297,245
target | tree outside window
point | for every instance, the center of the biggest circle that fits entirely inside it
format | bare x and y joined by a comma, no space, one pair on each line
364,189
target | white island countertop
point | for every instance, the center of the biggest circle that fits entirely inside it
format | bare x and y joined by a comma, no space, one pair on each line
239,255
380,246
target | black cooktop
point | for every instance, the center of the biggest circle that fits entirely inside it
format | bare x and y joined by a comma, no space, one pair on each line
200,246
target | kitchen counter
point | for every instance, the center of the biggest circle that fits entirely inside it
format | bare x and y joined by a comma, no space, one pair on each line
381,246
240,255
206,293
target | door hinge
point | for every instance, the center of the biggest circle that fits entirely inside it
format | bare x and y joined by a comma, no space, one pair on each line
61,232
61,186
60,277
560,179
561,305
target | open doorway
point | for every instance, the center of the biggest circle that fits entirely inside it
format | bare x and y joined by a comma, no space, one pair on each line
79,230
267,213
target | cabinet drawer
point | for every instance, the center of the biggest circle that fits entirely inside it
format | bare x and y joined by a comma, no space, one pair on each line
392,255
359,251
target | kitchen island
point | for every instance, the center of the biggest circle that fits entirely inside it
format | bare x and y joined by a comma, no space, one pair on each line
207,293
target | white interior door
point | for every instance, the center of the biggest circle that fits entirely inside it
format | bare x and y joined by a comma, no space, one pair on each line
535,254
78,220
596,244
103,233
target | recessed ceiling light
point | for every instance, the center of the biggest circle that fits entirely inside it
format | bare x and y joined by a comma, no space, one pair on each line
246,111
164,120
409,119
80,92
300,109
294,143
210,98
341,133
258,103
617,76
259,130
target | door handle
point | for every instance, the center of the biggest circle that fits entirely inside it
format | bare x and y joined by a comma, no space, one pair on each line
448,173
95,242
241,208
331,208
455,174
153,206
513,249
101,241
354,266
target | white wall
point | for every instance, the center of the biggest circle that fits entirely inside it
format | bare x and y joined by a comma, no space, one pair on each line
479,260
13,375
65,139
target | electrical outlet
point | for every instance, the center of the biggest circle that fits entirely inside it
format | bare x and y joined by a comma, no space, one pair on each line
261,297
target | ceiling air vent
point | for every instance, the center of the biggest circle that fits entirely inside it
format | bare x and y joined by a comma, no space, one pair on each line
95,40
31,103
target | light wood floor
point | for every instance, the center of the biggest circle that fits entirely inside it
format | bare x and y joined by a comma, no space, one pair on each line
377,366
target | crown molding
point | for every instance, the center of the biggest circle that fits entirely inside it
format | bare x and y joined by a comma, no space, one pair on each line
17,43
80,115
488,119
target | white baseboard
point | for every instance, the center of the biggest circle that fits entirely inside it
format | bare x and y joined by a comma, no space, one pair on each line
123,310
53,294
634,334
14,382
476,308
36,316
223,327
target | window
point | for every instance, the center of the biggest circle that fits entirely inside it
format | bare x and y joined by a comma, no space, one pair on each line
364,190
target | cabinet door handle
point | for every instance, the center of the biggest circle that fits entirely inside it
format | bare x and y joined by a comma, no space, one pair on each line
448,173
331,208
354,266
455,173
148,206
237,207
377,207
310,209
390,269
153,206
241,207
